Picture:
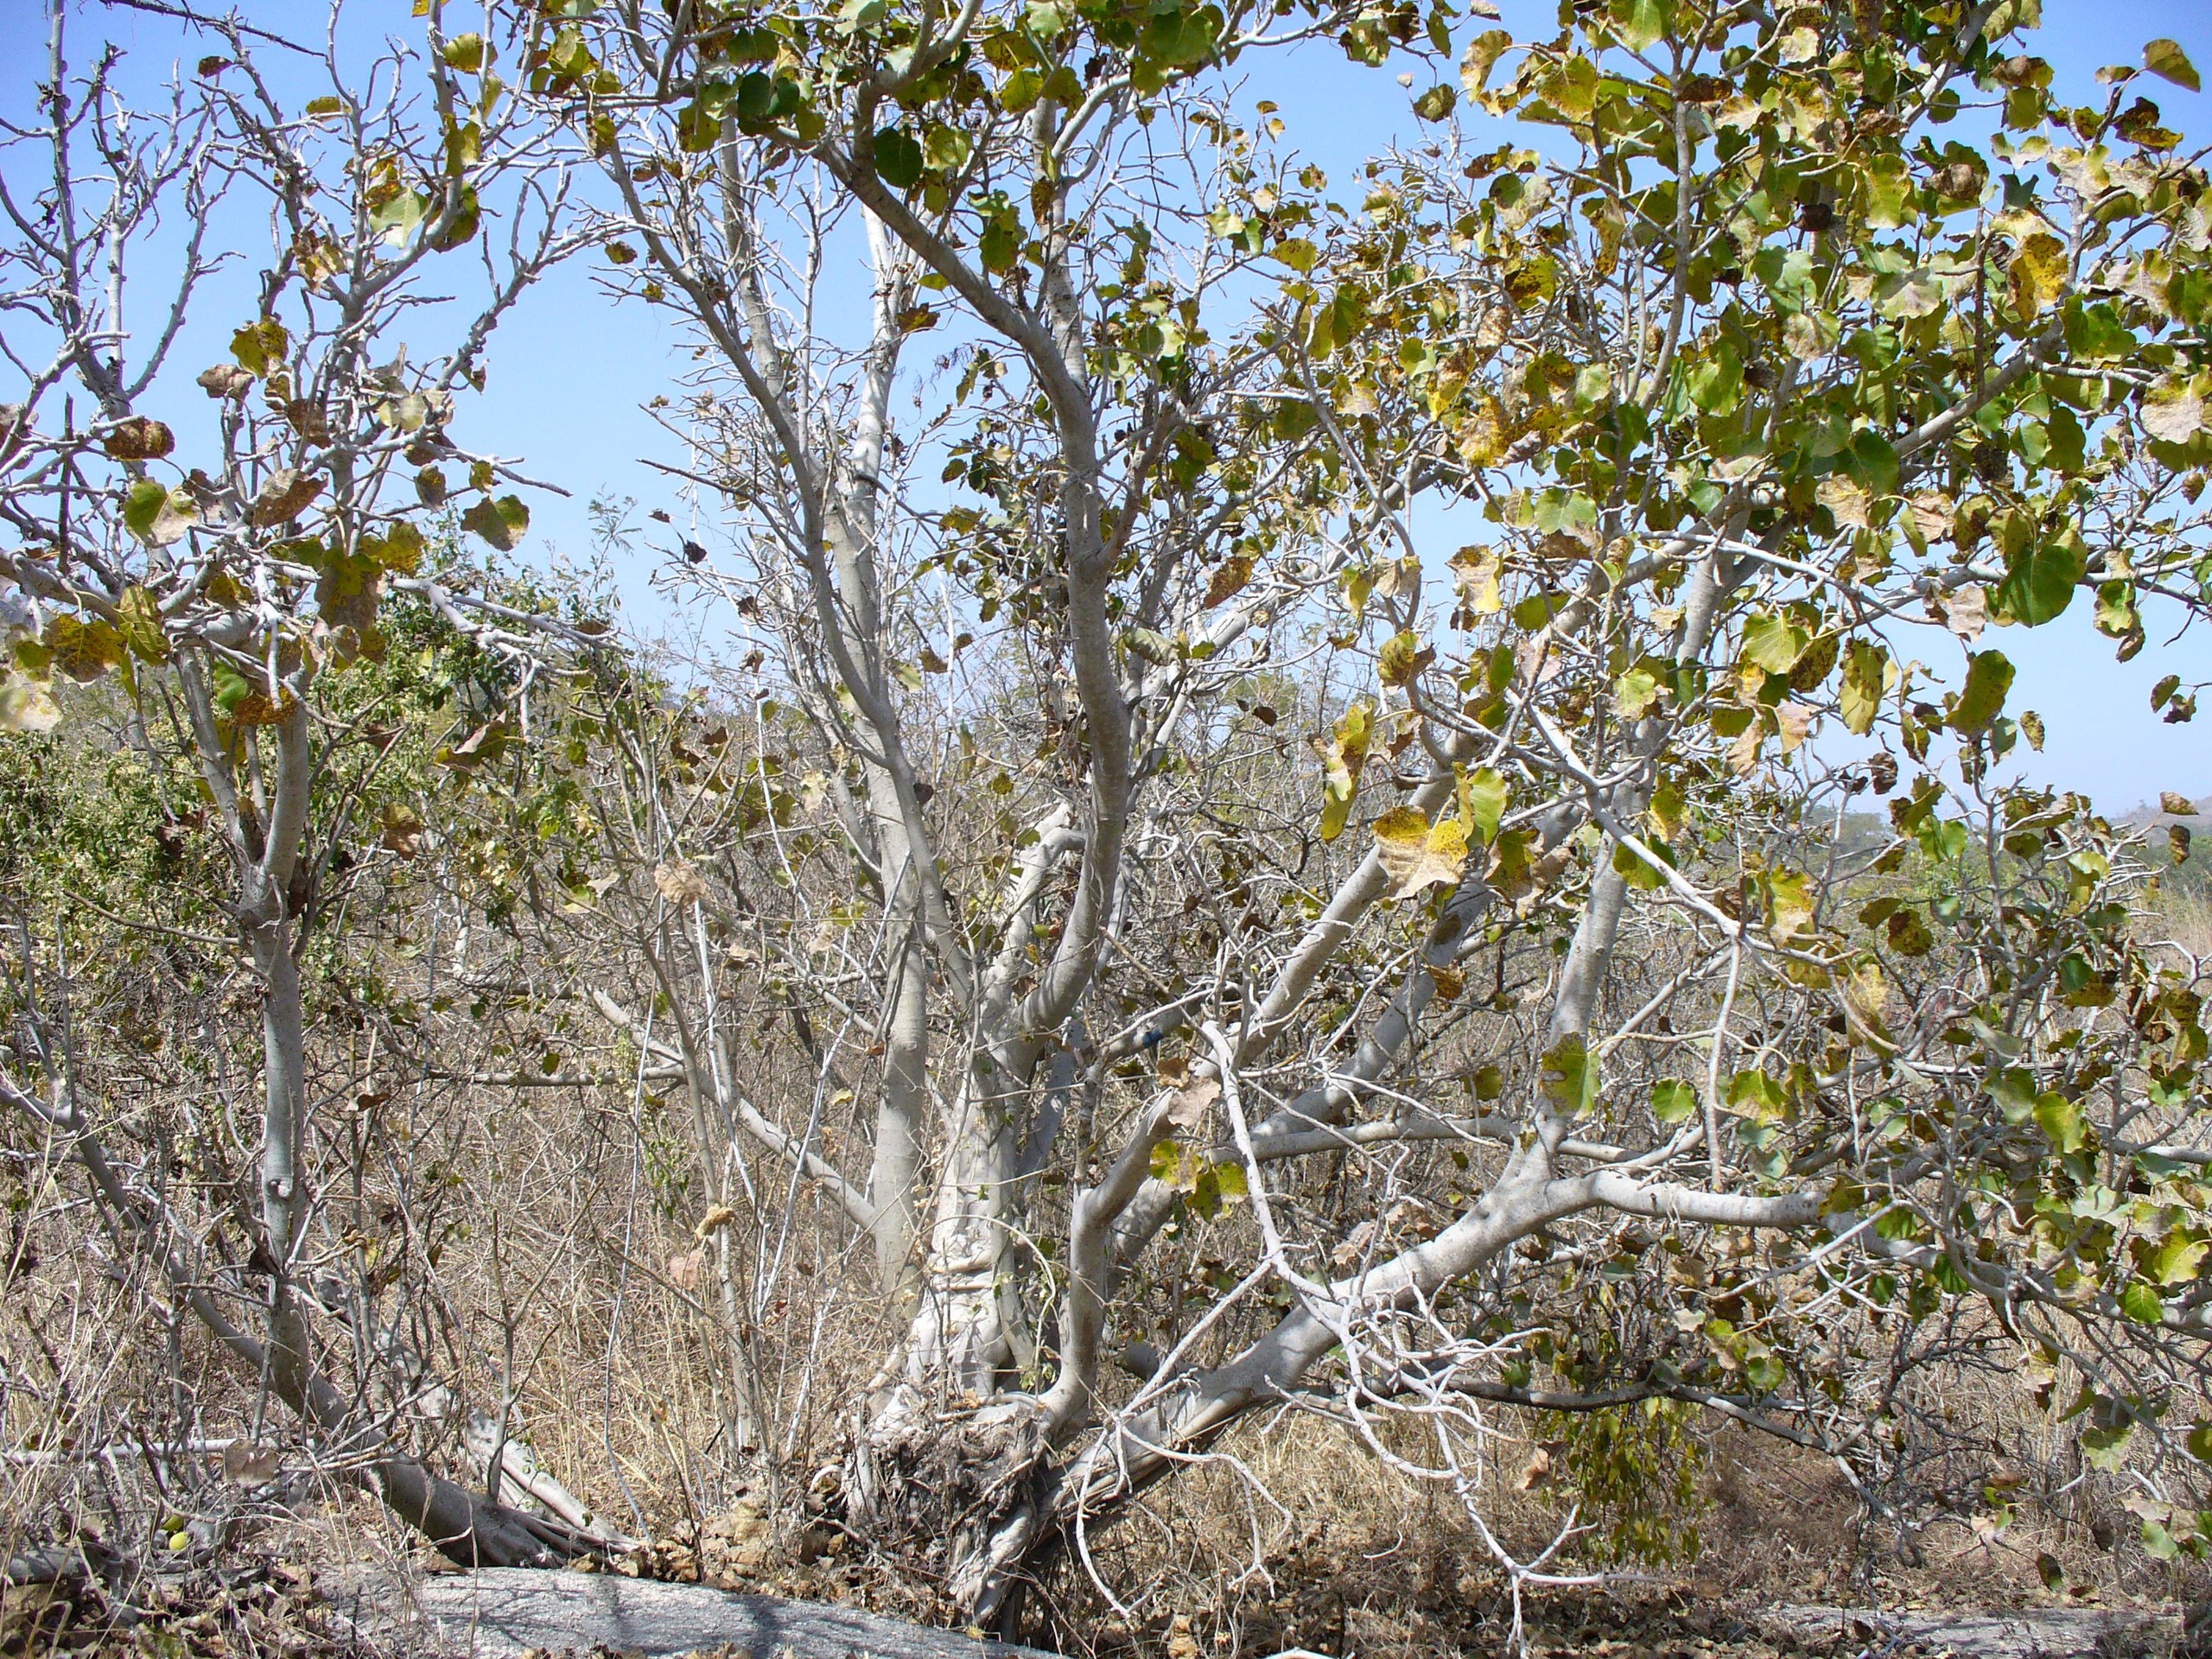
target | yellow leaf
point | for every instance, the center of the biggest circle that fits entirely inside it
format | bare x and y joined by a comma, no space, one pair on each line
27,706
1417,855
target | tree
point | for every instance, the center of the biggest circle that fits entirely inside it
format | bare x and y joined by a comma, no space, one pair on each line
235,585
1565,1040
1570,962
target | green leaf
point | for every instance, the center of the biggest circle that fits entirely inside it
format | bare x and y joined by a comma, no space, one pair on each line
2106,1448
396,219
2141,1304
1989,676
1716,382
231,688
1019,95
1482,802
2040,579
898,158
1642,23
2165,58
2178,1259
1772,642
1889,194
1635,691
1673,1101
2060,1120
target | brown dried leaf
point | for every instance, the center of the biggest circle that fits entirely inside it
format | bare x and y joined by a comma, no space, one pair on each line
1966,612
1189,1103
679,884
250,1465
283,495
226,380
139,438
1535,1472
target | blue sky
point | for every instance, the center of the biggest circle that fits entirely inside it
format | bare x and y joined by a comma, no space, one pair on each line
570,371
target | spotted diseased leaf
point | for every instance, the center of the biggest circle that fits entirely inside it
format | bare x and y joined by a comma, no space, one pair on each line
1229,578
1475,572
138,619
1789,905
1436,103
400,549
1989,677
1846,501
283,497
1417,854
156,514
502,523
260,347
1342,755
1571,1076
2165,58
2038,275
1866,1000
1868,673
1909,294
2173,409
1402,658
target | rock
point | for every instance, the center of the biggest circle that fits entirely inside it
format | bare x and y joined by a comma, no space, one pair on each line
2024,1633
508,1611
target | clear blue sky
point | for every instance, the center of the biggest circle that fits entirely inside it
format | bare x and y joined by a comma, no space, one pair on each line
569,371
